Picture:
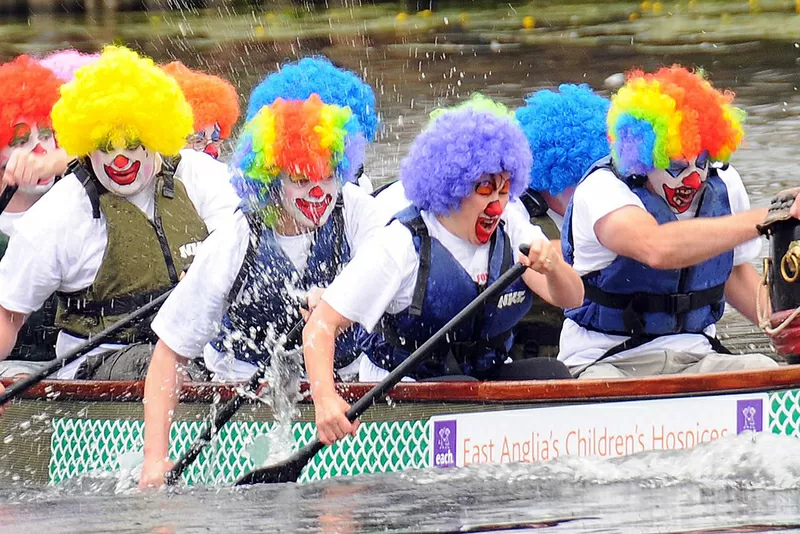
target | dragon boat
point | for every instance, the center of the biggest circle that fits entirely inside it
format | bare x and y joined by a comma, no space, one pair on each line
64,429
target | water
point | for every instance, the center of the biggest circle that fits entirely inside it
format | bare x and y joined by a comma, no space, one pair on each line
737,481
732,483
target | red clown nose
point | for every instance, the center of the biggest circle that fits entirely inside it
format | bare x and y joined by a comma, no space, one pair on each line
121,162
316,192
693,181
494,209
39,150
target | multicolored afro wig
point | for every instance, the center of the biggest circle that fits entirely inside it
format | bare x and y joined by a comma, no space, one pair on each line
213,100
120,99
673,114
566,130
294,137
458,146
64,63
317,75
28,92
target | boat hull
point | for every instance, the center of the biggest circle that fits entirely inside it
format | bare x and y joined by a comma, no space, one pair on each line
62,430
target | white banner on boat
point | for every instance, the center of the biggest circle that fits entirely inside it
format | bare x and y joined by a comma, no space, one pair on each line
603,429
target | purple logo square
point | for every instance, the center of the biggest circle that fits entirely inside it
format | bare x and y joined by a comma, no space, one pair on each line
444,444
749,415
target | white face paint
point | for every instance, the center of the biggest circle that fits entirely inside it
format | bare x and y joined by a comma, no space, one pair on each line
679,184
206,140
30,137
309,203
125,171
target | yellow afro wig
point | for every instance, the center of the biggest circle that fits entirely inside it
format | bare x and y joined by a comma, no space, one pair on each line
121,99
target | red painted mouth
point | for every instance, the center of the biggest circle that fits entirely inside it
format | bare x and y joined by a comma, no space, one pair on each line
485,227
123,177
212,150
314,210
681,197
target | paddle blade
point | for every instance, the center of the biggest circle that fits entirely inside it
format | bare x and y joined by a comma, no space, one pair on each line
286,471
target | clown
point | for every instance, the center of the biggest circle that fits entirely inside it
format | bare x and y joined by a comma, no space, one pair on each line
460,174
317,75
118,229
662,233
215,106
29,159
306,217
566,131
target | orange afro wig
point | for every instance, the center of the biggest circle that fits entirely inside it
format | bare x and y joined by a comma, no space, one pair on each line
29,91
213,99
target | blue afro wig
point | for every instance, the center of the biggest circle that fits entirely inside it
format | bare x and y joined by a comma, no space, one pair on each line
299,80
456,148
567,133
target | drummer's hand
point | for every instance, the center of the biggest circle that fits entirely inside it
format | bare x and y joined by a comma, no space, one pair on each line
312,301
2,406
543,257
332,423
153,473
25,169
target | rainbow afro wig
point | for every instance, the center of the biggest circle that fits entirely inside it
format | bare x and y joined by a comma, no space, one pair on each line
458,146
294,137
566,131
28,92
213,100
317,75
673,114
119,99
64,63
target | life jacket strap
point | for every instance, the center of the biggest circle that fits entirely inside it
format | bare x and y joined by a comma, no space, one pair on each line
418,229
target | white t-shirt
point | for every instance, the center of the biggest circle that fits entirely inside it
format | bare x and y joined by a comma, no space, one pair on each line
382,275
58,246
597,196
8,220
191,316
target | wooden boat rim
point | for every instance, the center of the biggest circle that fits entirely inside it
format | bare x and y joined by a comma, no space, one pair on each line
539,391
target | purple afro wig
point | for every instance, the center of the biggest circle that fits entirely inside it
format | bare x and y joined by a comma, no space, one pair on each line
567,133
456,148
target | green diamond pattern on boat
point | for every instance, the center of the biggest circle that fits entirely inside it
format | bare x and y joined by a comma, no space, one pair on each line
83,446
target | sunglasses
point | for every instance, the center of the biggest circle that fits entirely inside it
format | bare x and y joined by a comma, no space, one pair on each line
489,186
676,168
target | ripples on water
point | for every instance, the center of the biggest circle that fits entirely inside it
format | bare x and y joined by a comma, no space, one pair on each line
736,481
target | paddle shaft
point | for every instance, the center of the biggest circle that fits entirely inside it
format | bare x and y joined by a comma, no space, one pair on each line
224,415
31,380
6,196
289,470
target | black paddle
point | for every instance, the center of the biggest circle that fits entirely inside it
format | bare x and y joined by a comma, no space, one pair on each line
224,415
289,470
31,380
6,196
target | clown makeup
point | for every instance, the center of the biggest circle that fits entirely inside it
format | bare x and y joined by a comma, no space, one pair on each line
309,203
479,214
679,184
34,138
124,171
206,140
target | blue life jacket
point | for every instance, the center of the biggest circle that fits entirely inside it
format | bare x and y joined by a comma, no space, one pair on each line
262,305
633,299
443,289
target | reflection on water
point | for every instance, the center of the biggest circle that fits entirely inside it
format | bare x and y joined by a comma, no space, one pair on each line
416,64
736,481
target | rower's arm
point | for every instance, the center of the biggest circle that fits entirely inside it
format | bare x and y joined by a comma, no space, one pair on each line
161,393
632,232
10,323
554,281
741,290
319,341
